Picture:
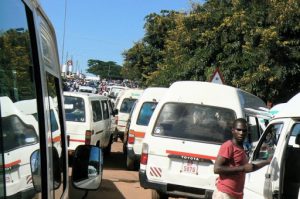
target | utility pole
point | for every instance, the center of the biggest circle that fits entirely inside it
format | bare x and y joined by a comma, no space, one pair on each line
64,33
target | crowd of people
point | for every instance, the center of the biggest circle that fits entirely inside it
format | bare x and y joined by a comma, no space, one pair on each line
101,86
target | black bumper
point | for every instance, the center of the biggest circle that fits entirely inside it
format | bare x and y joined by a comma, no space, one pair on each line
173,189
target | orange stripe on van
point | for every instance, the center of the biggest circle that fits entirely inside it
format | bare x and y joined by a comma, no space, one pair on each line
8,165
191,155
137,134
56,139
75,140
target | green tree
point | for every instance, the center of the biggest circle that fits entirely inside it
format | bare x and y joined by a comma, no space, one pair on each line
107,70
254,43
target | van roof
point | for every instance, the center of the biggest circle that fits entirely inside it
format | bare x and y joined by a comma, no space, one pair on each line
211,94
153,93
291,108
84,95
132,92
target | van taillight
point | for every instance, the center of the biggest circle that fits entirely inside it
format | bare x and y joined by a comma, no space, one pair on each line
131,137
144,156
88,137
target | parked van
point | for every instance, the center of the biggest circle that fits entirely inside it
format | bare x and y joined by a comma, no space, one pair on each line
124,104
185,133
88,120
281,142
138,123
33,144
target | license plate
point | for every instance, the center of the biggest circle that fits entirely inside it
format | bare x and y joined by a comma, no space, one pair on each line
189,166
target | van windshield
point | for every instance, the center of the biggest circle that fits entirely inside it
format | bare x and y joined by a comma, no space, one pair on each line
195,122
74,109
146,113
127,105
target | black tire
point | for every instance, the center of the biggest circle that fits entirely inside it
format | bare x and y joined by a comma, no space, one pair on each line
130,163
158,195
107,150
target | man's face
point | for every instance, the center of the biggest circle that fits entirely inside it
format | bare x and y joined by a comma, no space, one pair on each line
240,131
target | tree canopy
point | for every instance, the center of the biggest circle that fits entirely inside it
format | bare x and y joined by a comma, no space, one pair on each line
255,44
106,70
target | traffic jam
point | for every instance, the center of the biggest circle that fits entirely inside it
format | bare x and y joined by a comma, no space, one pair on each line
191,139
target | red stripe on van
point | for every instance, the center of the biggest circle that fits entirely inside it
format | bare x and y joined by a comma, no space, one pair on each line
8,165
191,155
137,134
56,139
75,140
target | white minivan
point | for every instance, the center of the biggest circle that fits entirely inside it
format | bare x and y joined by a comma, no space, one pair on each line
88,120
138,123
124,104
281,142
185,133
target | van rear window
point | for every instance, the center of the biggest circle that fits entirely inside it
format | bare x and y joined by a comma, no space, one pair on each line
127,105
146,113
74,109
195,122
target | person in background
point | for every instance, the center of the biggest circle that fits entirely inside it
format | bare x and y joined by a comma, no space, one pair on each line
232,164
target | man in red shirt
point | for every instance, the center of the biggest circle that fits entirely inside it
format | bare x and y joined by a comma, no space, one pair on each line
232,164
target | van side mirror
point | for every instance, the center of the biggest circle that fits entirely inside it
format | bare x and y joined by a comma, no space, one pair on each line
35,166
87,167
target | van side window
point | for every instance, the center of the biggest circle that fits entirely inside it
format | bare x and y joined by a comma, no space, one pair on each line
19,129
57,163
268,142
105,110
97,111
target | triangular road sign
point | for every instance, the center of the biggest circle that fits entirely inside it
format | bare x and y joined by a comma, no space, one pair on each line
217,77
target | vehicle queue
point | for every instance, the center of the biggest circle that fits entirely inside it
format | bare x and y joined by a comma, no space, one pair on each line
180,143
183,131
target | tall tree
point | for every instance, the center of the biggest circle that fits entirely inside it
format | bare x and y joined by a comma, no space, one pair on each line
106,70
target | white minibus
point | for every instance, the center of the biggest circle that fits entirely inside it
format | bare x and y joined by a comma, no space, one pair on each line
124,104
138,123
280,142
184,135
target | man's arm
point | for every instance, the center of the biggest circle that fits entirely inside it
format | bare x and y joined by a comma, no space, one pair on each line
221,168
260,164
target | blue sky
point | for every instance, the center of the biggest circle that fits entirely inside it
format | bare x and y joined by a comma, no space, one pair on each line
102,29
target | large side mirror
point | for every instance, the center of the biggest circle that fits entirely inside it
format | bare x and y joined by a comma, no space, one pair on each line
35,166
87,167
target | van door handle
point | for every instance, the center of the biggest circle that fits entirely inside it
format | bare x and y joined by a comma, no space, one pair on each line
267,175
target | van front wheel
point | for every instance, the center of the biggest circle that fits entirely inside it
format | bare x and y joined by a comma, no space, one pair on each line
158,195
